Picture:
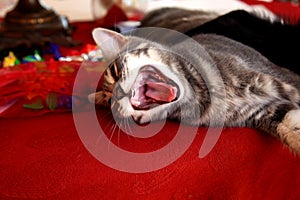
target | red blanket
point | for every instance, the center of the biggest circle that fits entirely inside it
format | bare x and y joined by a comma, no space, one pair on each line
286,10
47,156
44,158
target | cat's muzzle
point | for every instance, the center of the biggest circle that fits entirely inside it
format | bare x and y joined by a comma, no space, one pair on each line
152,88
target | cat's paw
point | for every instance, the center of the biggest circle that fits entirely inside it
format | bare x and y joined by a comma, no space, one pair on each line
289,130
101,98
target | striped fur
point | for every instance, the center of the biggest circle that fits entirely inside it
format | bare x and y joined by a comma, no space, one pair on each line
254,92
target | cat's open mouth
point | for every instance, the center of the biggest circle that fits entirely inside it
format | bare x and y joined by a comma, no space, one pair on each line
152,88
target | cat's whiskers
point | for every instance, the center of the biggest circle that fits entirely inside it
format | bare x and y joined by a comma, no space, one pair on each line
111,135
128,130
123,124
118,134
109,125
106,115
128,126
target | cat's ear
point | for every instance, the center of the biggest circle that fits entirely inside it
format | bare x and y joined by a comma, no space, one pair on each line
110,42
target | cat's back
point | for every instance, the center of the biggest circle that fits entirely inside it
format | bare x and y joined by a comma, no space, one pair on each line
235,56
178,19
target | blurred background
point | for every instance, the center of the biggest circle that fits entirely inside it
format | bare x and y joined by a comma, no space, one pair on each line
84,10
80,10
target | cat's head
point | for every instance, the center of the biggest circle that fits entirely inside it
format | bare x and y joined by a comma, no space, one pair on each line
145,80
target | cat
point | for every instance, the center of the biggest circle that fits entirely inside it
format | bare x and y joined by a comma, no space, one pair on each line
177,19
146,81
273,36
183,20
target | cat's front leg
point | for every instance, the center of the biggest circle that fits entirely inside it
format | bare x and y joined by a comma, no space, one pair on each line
288,130
101,98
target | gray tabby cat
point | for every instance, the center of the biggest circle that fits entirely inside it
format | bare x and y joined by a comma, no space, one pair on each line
183,20
177,19
147,84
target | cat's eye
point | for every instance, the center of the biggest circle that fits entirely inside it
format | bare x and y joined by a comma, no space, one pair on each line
115,69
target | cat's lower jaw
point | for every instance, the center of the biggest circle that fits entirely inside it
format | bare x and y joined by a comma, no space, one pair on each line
141,118
289,130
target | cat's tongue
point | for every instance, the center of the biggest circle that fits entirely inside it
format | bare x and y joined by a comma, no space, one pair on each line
160,91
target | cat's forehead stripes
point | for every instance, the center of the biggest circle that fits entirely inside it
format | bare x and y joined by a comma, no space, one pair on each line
141,51
143,46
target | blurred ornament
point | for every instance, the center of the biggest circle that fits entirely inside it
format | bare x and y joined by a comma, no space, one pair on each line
32,58
10,60
30,24
107,13
134,9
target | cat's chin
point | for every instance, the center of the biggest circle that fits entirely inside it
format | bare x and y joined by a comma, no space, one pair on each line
152,88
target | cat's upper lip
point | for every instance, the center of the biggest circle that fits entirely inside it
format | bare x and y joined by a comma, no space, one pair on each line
152,88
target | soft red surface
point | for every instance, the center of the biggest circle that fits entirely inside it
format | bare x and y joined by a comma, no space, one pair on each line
42,157
286,10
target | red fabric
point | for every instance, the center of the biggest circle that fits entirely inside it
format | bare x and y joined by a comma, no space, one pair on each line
37,88
286,10
42,157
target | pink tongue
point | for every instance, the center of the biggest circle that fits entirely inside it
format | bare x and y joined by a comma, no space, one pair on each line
160,91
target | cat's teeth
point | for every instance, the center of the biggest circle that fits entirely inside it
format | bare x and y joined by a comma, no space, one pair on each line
133,93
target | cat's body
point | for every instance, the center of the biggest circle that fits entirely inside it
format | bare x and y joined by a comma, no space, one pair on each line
275,38
148,82
184,20
178,19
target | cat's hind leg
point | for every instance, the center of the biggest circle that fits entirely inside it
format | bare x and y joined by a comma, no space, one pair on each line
288,130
